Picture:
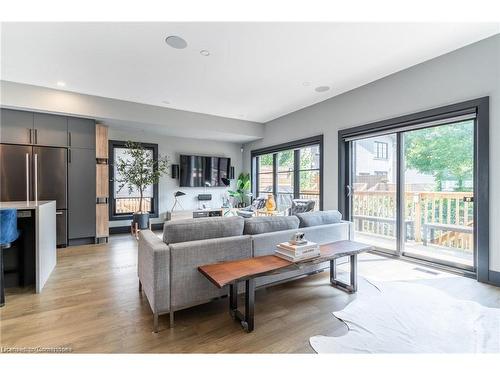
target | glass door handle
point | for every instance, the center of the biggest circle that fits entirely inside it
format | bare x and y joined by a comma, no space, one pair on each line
348,190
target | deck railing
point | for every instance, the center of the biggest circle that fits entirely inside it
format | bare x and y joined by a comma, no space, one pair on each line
442,218
129,205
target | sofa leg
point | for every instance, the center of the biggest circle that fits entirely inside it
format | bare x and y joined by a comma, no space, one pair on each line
140,286
155,323
171,314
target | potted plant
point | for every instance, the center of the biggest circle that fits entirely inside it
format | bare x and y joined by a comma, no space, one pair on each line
242,189
136,171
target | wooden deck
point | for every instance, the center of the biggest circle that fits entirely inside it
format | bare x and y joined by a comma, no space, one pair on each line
444,253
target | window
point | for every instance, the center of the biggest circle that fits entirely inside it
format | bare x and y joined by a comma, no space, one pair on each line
266,175
286,177
123,202
289,171
309,174
381,150
382,174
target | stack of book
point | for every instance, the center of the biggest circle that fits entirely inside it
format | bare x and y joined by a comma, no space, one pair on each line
299,252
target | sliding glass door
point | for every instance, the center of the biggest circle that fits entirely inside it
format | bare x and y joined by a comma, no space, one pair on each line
373,191
439,193
411,192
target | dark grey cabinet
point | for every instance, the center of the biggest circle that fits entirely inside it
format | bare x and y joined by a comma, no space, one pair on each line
81,133
50,130
16,126
72,143
81,188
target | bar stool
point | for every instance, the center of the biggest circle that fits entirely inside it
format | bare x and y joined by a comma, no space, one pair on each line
8,234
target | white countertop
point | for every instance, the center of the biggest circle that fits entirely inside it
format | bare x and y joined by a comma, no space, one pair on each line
45,231
21,205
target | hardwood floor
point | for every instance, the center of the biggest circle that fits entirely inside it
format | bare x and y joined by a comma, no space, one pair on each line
91,303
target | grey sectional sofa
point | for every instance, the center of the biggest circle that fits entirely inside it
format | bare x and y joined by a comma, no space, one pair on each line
168,268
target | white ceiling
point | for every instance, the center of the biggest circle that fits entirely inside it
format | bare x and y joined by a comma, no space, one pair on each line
255,71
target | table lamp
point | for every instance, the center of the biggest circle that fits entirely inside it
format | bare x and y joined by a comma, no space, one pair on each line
177,194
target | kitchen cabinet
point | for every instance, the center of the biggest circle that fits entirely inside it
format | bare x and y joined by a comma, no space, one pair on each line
81,133
17,126
50,130
82,194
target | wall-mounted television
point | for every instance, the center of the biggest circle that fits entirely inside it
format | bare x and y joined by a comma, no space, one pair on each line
203,171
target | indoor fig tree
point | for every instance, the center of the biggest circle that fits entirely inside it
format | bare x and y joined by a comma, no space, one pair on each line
136,171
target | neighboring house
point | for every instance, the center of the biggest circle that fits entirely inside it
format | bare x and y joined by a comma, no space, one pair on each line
375,166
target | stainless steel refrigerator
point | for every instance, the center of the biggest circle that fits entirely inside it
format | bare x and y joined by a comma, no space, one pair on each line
29,170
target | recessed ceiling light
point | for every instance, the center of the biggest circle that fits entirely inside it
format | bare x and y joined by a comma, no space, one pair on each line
306,83
322,88
204,52
175,41
61,83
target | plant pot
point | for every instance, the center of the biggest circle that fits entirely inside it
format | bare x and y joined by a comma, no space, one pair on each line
142,220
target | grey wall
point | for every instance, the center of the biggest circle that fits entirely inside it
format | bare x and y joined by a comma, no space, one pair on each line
173,147
468,73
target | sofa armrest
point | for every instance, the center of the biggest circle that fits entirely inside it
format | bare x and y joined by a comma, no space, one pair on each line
153,268
189,286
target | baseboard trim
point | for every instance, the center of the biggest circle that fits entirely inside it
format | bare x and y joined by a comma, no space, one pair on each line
81,241
494,278
126,228
119,230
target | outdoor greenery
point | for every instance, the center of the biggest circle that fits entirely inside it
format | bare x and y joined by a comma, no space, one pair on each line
446,152
138,169
242,189
285,161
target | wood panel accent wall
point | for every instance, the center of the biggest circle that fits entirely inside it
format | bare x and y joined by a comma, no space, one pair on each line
102,182
102,220
102,177
101,142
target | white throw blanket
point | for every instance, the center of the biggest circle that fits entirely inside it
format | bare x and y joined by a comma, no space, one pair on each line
413,318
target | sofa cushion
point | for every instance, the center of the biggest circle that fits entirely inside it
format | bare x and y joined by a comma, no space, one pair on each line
265,243
202,229
266,224
311,219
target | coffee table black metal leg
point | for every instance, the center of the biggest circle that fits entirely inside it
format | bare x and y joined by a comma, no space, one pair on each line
246,319
233,299
354,273
353,286
248,323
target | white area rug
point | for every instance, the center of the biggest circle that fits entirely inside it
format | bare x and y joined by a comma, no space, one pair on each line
413,318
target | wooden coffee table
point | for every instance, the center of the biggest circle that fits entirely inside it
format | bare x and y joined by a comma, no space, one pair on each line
247,270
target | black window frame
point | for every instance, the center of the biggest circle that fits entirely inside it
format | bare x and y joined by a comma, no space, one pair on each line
292,145
112,205
299,170
478,106
382,150
257,161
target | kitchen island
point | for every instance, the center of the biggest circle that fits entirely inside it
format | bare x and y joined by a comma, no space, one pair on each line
43,214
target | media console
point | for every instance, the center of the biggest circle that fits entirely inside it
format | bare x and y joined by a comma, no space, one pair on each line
190,214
